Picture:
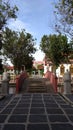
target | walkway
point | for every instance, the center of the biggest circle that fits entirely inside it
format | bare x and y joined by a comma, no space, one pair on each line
35,112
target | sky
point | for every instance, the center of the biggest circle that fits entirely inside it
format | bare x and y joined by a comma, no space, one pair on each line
36,17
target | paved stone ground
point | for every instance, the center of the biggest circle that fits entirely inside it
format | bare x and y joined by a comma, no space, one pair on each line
35,112
69,98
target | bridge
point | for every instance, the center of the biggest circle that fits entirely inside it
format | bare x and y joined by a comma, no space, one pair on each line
37,85
36,107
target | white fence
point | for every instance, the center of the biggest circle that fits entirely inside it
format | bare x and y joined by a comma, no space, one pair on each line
12,78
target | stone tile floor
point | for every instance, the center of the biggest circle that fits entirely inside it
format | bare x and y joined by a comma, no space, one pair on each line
35,112
70,97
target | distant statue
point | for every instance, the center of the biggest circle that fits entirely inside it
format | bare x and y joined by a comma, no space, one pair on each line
67,82
4,76
5,82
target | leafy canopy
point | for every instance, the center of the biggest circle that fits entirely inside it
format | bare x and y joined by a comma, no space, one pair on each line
19,47
64,16
6,12
56,48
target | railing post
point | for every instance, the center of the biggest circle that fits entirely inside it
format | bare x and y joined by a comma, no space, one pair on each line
55,83
67,82
17,84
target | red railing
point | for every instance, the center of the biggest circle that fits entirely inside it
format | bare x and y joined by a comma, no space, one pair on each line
53,79
19,81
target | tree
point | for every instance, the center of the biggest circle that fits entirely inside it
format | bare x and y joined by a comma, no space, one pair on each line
6,12
19,47
56,48
64,16
71,52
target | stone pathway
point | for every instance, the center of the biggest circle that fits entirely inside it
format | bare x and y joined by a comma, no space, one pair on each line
36,111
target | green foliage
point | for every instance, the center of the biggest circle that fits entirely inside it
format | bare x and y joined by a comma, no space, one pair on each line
45,44
64,16
71,49
18,47
6,12
56,48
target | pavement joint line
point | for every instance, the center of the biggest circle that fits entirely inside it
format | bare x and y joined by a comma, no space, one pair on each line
28,113
46,113
63,109
67,99
7,103
6,121
43,97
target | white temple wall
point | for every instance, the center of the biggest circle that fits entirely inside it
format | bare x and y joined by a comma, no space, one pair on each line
58,70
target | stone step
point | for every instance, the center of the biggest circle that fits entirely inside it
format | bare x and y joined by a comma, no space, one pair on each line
37,90
37,85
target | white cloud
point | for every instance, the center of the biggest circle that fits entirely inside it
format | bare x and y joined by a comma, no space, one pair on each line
17,24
